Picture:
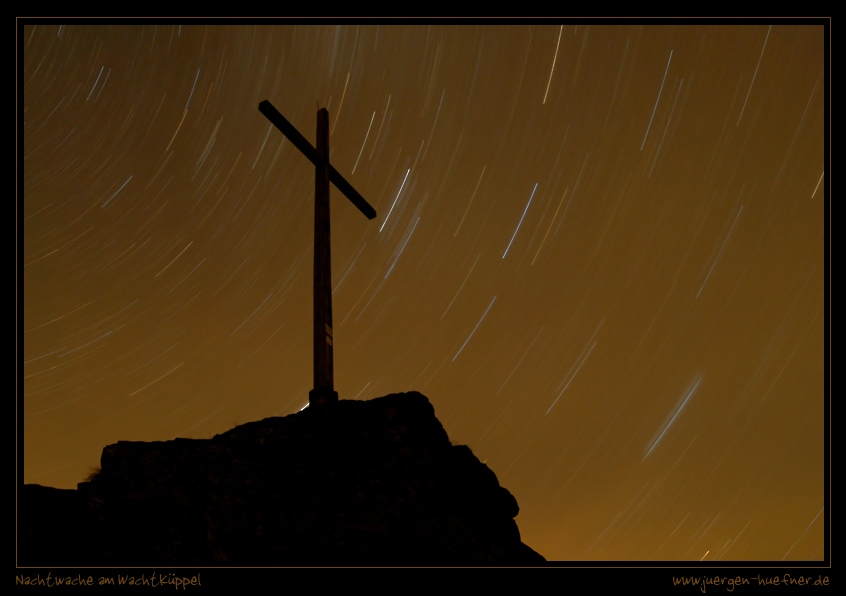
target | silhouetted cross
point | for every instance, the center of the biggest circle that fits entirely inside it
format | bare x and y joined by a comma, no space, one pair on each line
324,382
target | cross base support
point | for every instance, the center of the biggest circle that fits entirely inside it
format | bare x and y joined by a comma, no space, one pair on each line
322,397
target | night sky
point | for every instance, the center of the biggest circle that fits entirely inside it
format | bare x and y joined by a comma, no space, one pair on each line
600,252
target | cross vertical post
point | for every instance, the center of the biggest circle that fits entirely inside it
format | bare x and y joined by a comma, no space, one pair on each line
324,382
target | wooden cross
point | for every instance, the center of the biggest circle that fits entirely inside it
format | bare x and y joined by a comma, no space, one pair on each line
324,382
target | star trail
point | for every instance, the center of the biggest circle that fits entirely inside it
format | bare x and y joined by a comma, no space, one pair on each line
600,251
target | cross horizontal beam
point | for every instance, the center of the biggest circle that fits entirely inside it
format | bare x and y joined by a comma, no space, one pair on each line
300,142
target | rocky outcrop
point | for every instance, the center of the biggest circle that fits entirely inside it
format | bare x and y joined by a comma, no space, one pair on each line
368,483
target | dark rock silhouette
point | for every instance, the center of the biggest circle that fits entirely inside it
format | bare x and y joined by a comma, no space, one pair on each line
365,483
